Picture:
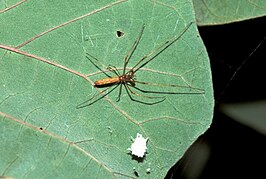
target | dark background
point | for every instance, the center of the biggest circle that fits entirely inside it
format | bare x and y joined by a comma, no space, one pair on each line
230,149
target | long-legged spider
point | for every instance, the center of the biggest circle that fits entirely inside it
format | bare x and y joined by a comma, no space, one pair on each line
128,80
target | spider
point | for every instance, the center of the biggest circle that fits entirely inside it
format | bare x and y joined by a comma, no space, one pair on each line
127,78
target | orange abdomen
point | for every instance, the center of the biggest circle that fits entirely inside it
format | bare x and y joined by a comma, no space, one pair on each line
106,82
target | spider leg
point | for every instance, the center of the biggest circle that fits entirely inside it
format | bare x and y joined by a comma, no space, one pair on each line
88,57
119,93
97,97
145,96
159,50
113,69
195,90
133,48
128,90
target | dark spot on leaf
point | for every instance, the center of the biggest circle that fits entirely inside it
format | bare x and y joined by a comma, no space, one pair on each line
138,159
119,33
136,173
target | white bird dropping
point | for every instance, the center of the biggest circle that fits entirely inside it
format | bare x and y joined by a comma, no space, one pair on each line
138,147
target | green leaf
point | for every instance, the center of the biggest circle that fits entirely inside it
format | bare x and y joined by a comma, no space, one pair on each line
210,12
44,75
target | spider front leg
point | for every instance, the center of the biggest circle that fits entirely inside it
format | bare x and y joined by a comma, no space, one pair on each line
113,69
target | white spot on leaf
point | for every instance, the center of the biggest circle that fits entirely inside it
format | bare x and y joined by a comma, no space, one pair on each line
139,146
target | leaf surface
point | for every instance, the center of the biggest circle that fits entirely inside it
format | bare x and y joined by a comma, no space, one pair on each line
211,12
44,75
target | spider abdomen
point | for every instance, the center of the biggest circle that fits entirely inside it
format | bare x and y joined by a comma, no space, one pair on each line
107,82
